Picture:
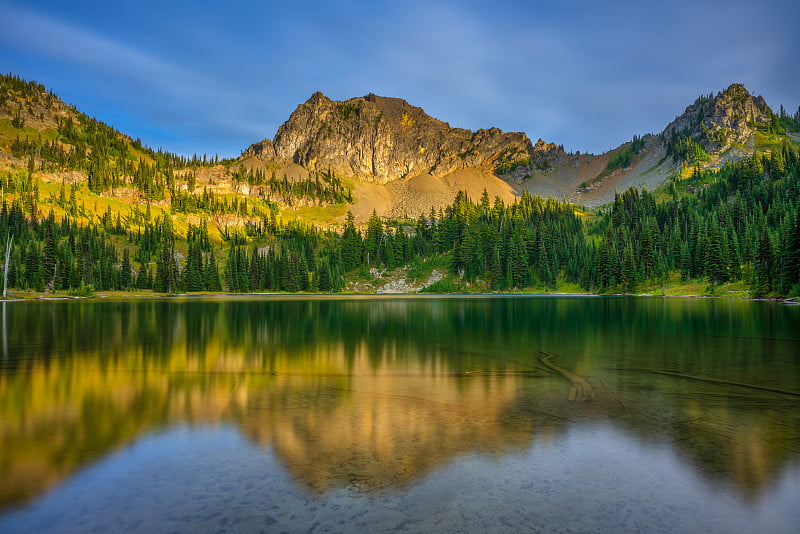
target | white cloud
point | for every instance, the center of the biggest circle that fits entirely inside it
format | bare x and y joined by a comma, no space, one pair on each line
180,101
56,39
588,75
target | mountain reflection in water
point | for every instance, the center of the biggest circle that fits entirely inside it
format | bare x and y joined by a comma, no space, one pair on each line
373,394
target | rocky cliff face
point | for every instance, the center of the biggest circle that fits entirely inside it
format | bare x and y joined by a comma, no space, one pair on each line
721,121
382,139
34,107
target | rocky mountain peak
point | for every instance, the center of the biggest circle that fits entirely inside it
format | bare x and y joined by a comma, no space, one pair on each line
543,146
382,138
717,122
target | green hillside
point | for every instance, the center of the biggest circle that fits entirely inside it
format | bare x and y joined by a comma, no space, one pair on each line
86,208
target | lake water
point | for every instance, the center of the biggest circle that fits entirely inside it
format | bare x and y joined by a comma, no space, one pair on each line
415,414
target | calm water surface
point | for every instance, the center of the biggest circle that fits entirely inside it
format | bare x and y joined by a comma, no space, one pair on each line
399,414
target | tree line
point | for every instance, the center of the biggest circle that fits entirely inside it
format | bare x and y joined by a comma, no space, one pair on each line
740,223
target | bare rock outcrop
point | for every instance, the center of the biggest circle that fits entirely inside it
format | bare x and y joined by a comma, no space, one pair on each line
382,139
721,121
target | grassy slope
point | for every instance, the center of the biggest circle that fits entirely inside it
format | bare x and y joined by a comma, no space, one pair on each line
8,133
95,205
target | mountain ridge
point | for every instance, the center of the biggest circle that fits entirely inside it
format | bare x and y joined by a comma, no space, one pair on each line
384,140
392,156
85,203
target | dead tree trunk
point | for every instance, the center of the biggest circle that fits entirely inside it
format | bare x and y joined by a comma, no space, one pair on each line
5,267
580,390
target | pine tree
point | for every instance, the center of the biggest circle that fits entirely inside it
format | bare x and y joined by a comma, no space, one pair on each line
629,276
373,240
255,278
518,263
143,278
716,259
543,265
498,282
325,277
125,271
790,258
211,277
764,265
242,273
166,277
351,244
193,271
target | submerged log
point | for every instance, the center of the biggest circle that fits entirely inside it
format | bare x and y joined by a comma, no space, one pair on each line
580,390
709,380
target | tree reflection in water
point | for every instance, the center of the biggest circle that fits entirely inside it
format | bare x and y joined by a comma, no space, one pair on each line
371,394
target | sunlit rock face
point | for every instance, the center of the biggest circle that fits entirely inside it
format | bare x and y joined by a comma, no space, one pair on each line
720,121
382,139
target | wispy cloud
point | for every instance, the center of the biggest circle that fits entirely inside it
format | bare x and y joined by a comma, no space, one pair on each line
585,74
59,40
171,94
589,76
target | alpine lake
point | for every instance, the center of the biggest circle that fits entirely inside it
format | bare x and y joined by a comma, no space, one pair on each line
400,414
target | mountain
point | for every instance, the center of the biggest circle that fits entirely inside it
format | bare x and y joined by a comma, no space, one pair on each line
402,161
85,207
381,139
376,153
723,126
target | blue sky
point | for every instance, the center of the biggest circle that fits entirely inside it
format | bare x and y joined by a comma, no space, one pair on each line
215,78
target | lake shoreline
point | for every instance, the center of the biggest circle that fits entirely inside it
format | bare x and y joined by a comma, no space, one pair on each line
25,296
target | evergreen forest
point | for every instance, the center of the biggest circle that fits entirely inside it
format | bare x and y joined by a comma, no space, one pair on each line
738,223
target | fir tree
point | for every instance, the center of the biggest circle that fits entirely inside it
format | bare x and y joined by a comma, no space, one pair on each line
764,265
790,258
351,244
193,271
211,277
125,271
166,277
